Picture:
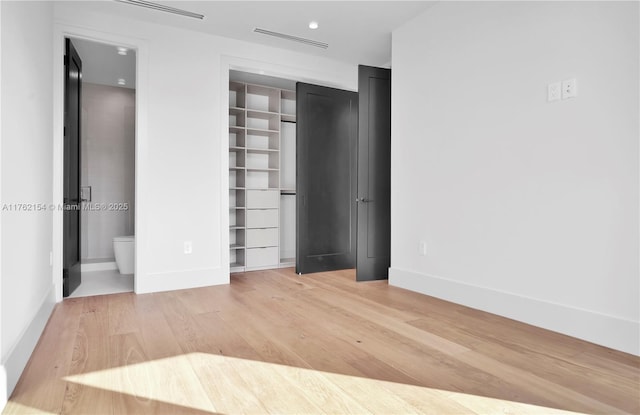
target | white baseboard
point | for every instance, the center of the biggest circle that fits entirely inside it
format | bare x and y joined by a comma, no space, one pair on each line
180,280
605,330
18,356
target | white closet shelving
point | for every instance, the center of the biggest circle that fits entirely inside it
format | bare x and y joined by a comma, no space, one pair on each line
260,118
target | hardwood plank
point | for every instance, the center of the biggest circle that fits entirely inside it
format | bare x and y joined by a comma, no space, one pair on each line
560,371
318,388
300,338
276,342
221,338
158,339
300,333
180,322
277,393
90,353
427,400
122,313
384,317
547,392
483,405
41,388
347,353
302,313
400,351
226,389
152,386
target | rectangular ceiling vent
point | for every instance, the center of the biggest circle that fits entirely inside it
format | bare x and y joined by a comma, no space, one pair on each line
292,38
162,8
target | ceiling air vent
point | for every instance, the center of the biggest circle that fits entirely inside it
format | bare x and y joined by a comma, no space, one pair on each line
292,38
162,8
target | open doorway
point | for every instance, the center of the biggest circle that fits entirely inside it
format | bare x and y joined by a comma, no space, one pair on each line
106,168
262,171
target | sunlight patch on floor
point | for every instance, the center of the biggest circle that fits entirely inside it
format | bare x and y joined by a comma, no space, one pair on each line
214,383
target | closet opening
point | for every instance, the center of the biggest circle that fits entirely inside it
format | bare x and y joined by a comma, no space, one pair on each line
262,172
310,174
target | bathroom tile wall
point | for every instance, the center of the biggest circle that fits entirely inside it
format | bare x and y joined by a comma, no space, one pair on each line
107,163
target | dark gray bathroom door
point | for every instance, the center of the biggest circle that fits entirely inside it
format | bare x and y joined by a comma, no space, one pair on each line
71,276
326,130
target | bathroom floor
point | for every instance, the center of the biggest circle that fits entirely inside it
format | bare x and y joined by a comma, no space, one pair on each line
103,282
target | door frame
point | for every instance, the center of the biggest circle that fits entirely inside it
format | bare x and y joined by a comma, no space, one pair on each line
292,73
62,31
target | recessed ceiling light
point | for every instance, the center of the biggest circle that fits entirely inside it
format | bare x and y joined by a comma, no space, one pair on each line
122,51
313,24
121,81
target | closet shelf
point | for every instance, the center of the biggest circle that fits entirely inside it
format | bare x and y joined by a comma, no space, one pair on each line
261,114
261,169
262,150
262,188
260,131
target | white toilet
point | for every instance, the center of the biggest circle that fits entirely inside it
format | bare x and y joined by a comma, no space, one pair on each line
124,250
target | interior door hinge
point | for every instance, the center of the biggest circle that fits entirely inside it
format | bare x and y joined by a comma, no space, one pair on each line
64,131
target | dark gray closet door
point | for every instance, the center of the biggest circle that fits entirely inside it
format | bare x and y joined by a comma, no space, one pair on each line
326,132
374,174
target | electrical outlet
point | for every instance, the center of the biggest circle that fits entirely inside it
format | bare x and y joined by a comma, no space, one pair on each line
569,88
554,91
422,248
188,247
50,258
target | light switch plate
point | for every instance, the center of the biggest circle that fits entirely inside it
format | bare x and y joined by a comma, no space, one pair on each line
569,88
423,248
554,91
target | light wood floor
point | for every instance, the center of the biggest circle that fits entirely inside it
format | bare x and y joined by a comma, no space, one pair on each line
274,342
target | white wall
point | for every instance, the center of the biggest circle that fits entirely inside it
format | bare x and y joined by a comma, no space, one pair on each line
27,290
108,150
3,372
180,171
529,209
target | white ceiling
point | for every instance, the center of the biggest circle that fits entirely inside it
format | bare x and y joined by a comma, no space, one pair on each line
101,63
357,32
